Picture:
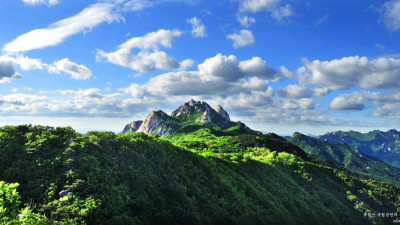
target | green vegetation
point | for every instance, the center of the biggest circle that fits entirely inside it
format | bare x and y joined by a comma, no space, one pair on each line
349,157
383,145
198,176
10,213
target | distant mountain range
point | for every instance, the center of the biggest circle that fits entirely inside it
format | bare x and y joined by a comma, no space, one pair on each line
347,156
383,145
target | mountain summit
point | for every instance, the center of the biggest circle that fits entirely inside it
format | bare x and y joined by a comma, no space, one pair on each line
190,113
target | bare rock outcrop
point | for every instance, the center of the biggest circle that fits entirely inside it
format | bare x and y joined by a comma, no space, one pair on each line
195,111
221,111
152,121
133,126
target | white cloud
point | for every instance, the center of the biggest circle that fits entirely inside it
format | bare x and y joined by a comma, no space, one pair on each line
295,92
149,57
152,40
187,63
391,15
306,103
57,32
258,67
322,19
27,63
286,72
295,104
78,72
282,13
277,12
321,91
246,21
384,104
241,39
347,102
137,5
7,70
298,92
220,67
6,67
219,75
37,2
250,99
258,5
347,72
198,28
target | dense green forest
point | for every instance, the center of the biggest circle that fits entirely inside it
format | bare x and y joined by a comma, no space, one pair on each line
198,176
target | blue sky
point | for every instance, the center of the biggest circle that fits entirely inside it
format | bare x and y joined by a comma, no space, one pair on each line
278,66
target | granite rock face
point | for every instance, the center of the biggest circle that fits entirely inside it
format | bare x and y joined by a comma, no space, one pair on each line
221,111
152,121
133,126
196,111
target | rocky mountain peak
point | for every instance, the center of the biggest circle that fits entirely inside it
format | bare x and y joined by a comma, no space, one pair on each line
221,111
197,111
191,102
133,126
299,135
191,107
152,121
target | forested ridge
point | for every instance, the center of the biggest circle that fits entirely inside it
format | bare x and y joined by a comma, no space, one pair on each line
349,157
198,175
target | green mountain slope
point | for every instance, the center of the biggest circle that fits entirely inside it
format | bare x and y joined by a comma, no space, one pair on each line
134,178
380,144
349,157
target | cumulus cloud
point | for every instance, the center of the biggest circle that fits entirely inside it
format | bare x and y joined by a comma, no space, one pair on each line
283,13
152,40
27,63
384,104
295,92
286,72
306,103
258,5
219,75
347,72
246,21
149,56
391,15
274,7
78,72
7,70
347,102
242,39
6,67
57,32
198,28
298,92
187,63
37,2
259,68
